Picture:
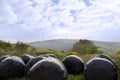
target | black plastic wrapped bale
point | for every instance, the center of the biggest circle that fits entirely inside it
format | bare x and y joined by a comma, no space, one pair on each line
32,62
3,57
26,58
11,67
73,64
108,58
100,69
48,69
52,55
48,55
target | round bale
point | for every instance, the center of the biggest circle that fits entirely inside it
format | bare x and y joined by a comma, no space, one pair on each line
108,58
48,69
73,64
32,62
11,67
35,60
48,55
3,57
26,58
100,69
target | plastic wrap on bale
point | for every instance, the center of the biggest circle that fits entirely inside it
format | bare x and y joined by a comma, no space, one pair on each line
108,58
100,69
73,64
26,58
48,69
11,67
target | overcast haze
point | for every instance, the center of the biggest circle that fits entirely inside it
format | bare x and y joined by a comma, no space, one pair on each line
36,20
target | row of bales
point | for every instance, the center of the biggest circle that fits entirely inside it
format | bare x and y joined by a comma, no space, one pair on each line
49,67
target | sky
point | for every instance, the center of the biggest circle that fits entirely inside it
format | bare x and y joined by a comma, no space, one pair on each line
37,20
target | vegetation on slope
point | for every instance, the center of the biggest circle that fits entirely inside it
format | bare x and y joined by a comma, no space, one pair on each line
86,47
67,44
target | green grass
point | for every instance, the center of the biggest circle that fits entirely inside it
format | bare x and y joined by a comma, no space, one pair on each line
23,78
69,77
75,77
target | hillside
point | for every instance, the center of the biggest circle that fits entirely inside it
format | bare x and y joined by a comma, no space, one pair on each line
67,44
109,47
58,44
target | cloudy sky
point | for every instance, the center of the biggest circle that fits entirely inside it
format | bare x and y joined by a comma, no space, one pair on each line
36,20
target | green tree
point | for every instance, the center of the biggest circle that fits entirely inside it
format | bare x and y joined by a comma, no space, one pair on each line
5,47
86,47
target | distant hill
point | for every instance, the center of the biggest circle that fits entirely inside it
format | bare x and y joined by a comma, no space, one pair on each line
109,47
67,44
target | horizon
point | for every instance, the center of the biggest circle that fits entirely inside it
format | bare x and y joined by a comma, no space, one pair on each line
72,39
40,20
60,39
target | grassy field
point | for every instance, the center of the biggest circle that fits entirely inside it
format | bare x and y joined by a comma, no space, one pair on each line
69,77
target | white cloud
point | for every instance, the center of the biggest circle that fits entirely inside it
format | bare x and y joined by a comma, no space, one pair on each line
59,18
7,16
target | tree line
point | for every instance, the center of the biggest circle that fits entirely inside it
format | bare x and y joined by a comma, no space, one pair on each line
83,46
